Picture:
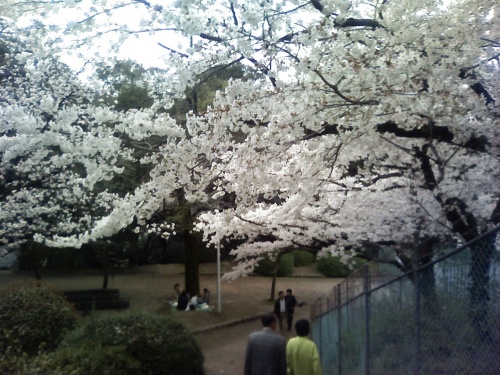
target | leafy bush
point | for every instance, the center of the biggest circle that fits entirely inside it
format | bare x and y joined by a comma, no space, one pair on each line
34,318
129,344
266,266
302,258
332,266
84,360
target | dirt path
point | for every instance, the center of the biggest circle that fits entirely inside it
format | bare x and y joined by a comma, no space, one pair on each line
224,348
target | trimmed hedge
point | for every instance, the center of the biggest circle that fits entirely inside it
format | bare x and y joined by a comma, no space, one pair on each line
302,258
266,266
34,319
332,266
131,343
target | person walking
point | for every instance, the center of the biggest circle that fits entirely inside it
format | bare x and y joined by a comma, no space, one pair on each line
302,356
266,350
290,303
280,309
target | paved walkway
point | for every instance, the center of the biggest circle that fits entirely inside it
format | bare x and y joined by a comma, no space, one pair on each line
224,347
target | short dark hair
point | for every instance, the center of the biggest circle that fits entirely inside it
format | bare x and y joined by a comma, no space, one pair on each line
289,291
268,319
302,327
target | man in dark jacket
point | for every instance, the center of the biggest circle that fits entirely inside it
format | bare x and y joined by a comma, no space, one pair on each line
290,303
266,350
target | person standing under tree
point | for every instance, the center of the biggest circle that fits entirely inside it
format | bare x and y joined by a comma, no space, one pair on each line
280,309
290,303
302,356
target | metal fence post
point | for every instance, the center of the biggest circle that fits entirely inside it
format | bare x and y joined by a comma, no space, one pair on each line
320,318
416,279
367,318
339,327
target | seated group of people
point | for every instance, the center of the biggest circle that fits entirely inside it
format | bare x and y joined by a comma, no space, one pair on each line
184,302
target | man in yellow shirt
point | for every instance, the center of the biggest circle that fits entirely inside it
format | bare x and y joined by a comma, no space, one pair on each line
302,356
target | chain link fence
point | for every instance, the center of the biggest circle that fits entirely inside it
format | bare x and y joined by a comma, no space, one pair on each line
440,318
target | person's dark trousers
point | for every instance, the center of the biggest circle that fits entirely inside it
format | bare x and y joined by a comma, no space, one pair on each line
289,321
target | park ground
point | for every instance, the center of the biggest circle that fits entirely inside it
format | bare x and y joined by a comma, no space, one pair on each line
222,336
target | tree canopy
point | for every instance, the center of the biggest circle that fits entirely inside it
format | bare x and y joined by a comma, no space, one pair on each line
367,121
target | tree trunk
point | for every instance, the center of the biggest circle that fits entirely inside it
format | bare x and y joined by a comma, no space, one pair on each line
192,240
427,275
273,286
479,276
105,277
36,253
191,265
275,275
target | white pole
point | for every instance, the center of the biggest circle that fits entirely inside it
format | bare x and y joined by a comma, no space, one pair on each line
219,297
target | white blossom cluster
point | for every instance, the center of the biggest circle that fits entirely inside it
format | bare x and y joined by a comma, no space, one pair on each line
59,150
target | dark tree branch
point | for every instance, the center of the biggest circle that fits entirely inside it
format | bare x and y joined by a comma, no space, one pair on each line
477,87
336,90
326,129
211,38
462,221
213,72
359,22
173,50
233,12
263,69
439,133
317,4
426,167
495,216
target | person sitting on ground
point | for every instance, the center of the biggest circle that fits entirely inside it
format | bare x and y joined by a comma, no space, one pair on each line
183,301
177,290
206,297
193,303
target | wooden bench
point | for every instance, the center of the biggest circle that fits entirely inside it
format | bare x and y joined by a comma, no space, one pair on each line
96,299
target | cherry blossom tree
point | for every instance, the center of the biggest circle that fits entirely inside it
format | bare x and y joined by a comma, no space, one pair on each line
377,120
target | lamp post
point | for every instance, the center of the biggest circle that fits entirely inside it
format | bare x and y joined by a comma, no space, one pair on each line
219,297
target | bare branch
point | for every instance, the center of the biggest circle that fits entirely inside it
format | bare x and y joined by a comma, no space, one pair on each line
337,91
233,12
173,50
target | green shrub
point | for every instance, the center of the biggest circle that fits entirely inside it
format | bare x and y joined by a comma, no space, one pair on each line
33,319
331,266
302,258
84,360
127,344
266,266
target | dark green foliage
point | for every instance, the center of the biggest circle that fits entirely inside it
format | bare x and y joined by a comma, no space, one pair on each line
51,258
34,319
127,89
132,343
332,266
84,360
302,258
266,266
